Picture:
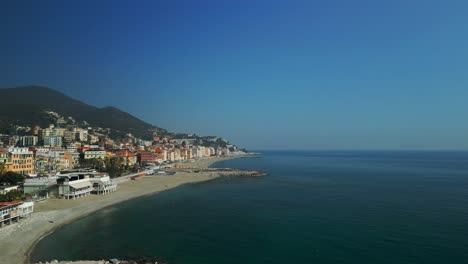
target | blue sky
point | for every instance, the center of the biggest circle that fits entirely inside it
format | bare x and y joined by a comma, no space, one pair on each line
266,74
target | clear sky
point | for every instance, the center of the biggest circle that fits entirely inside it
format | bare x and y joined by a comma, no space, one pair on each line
336,74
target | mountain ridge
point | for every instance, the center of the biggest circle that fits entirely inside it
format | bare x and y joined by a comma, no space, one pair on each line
26,106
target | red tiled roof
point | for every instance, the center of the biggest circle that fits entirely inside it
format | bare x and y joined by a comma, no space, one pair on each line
125,153
5,204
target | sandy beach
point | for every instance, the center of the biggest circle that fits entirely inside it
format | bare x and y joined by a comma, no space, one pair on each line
17,239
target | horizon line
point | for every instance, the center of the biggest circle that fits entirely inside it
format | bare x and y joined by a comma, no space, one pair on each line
349,149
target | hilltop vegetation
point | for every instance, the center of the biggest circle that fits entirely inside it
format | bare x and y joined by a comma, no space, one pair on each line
27,106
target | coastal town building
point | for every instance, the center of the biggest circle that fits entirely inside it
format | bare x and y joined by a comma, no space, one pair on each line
207,152
147,157
35,130
80,183
5,159
52,131
93,139
39,185
28,141
63,145
170,155
8,188
4,156
53,141
22,160
73,157
73,146
189,154
177,155
81,134
73,185
11,212
198,152
129,157
94,153
68,136
102,184
48,160
13,141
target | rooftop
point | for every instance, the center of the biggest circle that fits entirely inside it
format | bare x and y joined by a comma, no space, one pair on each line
2,187
94,149
7,204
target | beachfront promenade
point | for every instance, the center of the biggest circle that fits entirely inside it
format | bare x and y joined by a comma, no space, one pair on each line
128,177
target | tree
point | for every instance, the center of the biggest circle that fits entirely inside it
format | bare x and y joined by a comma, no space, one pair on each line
97,164
11,178
10,196
2,168
115,166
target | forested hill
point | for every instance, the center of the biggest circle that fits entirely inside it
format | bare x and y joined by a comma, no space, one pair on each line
27,106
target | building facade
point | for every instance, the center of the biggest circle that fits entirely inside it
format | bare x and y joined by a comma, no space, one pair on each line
21,160
28,141
53,141
14,211
95,154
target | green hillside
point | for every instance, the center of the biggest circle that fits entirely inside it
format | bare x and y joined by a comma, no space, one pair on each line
27,105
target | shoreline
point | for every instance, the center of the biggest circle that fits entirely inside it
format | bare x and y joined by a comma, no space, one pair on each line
19,240
27,259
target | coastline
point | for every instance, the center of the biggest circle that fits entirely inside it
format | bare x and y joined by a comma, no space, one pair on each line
17,241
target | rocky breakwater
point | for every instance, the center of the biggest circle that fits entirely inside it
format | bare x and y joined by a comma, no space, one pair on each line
236,172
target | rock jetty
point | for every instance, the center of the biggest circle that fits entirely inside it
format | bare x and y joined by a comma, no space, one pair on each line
225,172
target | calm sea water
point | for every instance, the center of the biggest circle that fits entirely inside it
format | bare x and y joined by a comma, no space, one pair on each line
314,207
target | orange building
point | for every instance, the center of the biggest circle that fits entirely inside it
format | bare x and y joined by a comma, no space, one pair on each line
21,160
129,157
147,157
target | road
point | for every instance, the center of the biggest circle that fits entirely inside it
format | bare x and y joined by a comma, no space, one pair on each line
127,177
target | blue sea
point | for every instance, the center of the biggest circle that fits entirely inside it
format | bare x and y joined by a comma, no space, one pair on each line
313,207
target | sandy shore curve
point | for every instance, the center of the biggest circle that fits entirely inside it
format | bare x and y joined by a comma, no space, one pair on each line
17,240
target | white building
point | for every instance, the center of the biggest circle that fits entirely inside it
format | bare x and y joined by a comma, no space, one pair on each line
207,152
102,184
52,131
14,211
52,141
198,152
76,184
171,155
95,154
81,134
28,141
164,154
8,188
